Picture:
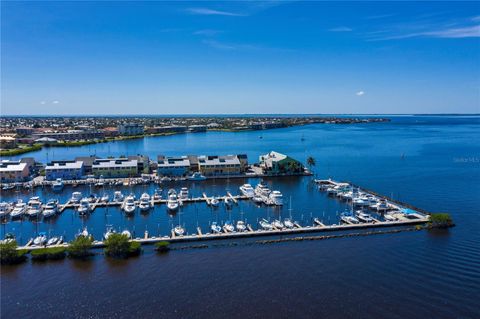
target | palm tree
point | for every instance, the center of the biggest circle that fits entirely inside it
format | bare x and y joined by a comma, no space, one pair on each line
310,162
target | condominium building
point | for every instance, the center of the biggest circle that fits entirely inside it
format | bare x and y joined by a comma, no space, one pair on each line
115,167
131,129
13,171
65,170
173,166
219,165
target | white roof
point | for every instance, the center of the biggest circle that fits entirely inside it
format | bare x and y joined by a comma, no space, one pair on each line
64,165
114,162
12,166
174,162
221,160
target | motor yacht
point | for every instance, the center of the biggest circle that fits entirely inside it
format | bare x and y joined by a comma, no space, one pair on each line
9,237
157,195
348,218
110,231
278,224
228,202
105,198
34,207
247,190
50,209
183,193
84,207
5,209
265,224
276,198
76,197
262,190
380,206
196,177
83,233
288,223
127,233
129,204
144,203
364,217
117,196
19,209
389,218
172,202
58,185
179,230
52,241
228,226
241,226
257,199
216,229
41,239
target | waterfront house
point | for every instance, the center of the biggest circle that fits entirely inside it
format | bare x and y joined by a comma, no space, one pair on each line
219,165
131,129
64,169
8,141
173,166
13,171
275,163
115,167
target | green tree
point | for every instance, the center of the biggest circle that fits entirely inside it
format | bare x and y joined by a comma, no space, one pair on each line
311,162
80,247
118,245
162,246
440,220
10,255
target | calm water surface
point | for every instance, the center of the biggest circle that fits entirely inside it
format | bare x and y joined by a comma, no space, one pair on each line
430,162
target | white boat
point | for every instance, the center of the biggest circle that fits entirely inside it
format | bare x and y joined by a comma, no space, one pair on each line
52,241
117,197
144,203
57,186
165,179
76,197
83,233
241,226
19,209
129,204
380,206
228,201
5,209
50,209
348,218
265,225
183,193
105,198
389,218
34,207
127,233
110,231
214,202
288,223
41,239
364,217
216,229
84,207
257,199
157,195
276,198
9,237
196,177
172,202
229,227
278,224
262,190
179,231
247,190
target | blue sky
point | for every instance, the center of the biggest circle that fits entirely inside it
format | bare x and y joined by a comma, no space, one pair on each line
239,57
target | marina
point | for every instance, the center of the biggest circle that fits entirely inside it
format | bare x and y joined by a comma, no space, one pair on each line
356,215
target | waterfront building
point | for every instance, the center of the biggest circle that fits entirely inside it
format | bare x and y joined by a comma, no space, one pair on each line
131,129
87,163
167,129
64,169
143,163
219,165
197,128
276,163
13,171
8,141
173,166
71,135
115,167
24,131
110,131
46,141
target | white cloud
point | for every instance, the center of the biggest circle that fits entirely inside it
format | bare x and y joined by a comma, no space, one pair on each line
207,32
42,102
360,93
450,33
340,29
55,102
206,11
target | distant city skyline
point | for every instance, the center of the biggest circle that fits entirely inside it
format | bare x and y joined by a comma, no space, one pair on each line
162,58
